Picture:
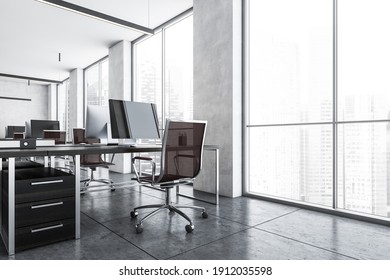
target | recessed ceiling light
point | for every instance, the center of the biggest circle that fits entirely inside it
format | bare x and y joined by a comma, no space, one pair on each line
97,15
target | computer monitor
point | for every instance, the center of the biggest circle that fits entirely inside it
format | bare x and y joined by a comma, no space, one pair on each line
97,122
38,126
133,120
11,129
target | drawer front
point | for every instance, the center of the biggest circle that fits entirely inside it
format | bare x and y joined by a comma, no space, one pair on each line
37,235
32,213
44,189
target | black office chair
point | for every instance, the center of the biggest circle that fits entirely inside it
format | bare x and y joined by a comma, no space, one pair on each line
181,162
91,161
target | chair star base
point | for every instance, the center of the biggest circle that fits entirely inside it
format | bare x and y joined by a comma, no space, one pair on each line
189,228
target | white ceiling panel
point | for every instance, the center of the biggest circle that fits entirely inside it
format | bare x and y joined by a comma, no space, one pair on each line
32,33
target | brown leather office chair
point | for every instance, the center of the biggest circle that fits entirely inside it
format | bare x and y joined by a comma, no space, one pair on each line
91,161
181,162
59,136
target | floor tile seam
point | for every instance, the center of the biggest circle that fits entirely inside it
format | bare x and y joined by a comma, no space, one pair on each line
248,225
128,241
306,243
203,245
230,220
275,218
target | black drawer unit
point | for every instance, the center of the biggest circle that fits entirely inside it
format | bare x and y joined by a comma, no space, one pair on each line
44,206
42,234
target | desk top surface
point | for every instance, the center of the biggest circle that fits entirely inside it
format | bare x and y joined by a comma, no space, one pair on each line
79,149
71,150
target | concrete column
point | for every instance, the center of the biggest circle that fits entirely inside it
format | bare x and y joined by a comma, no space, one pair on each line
52,102
218,89
76,98
120,88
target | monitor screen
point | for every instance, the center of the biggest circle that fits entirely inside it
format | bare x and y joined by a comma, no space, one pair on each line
142,119
118,119
133,120
97,122
38,126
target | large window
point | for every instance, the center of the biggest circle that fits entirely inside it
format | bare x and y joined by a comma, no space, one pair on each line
318,102
290,100
163,72
96,83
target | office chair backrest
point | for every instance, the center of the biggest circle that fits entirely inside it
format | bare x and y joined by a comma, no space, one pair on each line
182,149
59,136
78,135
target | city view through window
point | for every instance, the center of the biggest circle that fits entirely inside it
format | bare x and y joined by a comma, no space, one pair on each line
164,74
300,103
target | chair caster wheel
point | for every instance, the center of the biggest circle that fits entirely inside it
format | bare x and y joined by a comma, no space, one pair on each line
204,215
189,228
139,228
133,214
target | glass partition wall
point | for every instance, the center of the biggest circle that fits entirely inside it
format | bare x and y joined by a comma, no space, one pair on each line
317,124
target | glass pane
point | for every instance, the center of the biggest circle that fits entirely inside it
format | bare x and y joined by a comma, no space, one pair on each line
179,70
62,105
104,91
63,108
148,72
290,65
364,59
293,162
364,168
148,84
92,85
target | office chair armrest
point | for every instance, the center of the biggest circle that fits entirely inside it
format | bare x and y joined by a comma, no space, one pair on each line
138,174
142,158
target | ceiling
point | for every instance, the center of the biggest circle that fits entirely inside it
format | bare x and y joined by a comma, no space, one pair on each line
32,34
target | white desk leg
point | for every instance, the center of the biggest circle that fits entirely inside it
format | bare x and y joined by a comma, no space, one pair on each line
77,193
217,176
46,161
11,206
52,161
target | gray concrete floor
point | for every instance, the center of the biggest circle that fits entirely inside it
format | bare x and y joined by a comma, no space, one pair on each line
241,228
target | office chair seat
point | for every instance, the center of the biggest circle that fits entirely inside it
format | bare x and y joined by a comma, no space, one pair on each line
167,178
181,162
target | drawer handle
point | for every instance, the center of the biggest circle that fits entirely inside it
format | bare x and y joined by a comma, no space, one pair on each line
46,228
46,182
47,205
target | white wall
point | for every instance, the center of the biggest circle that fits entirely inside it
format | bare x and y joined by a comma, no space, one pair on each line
15,112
